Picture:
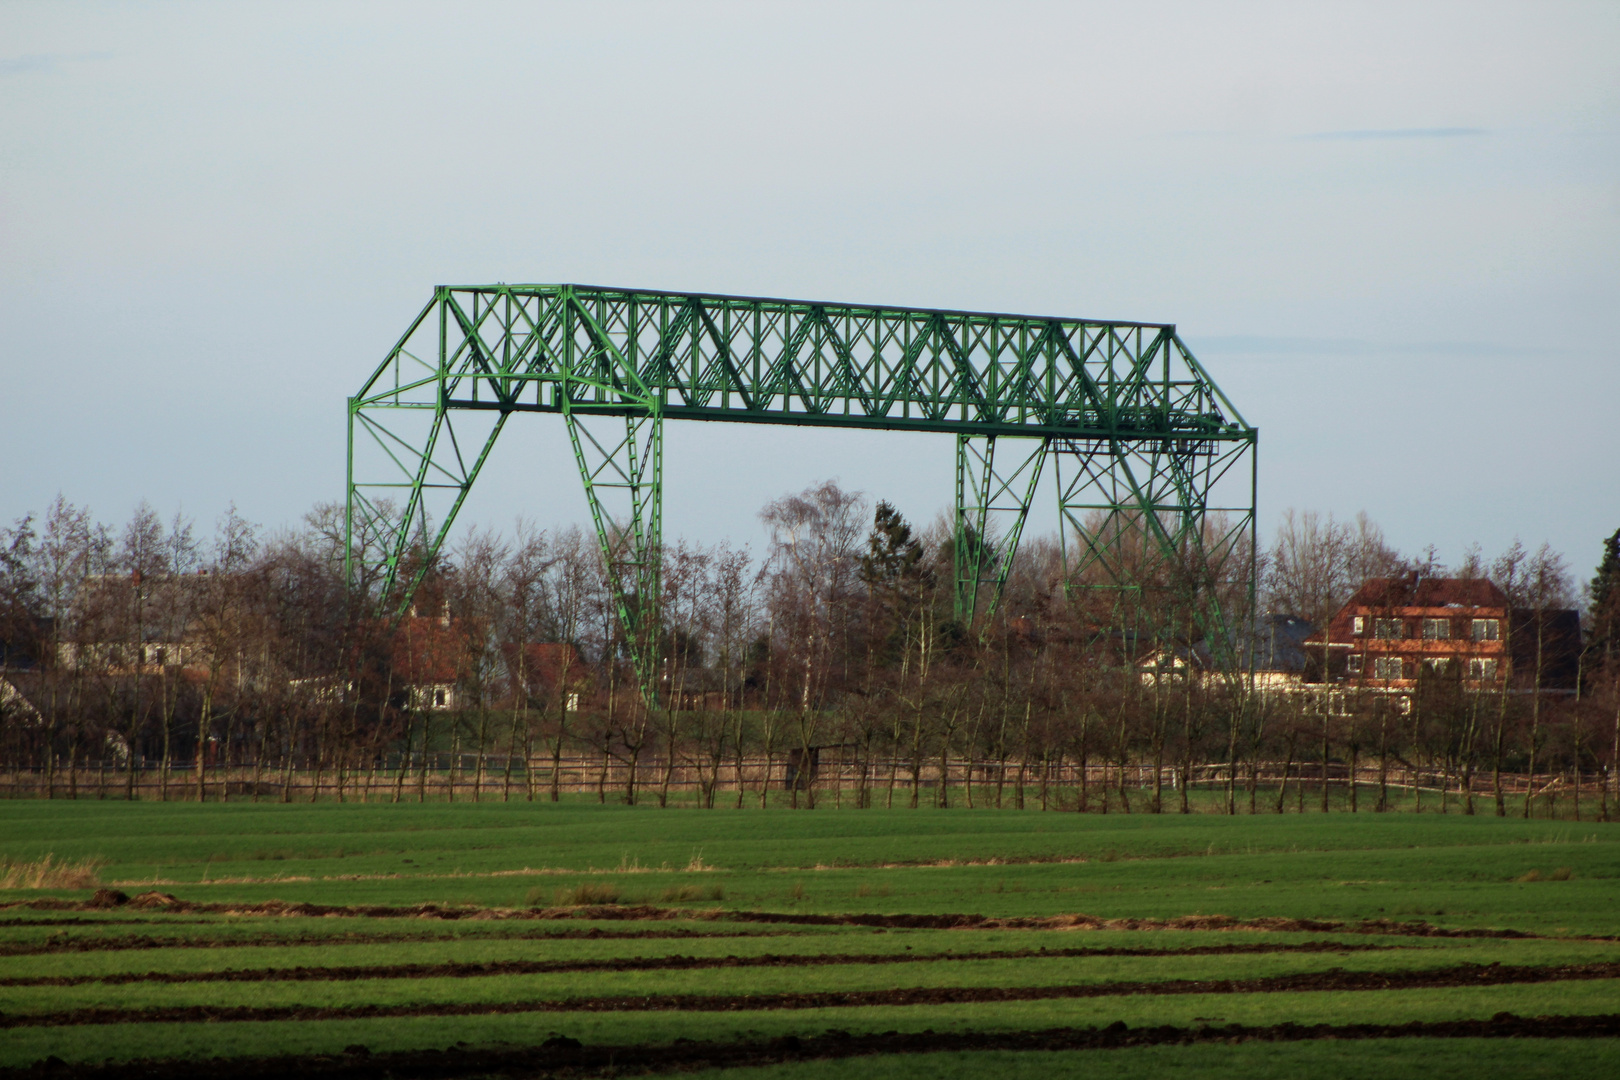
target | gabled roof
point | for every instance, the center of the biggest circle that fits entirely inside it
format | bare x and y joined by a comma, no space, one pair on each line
1412,591
548,663
1273,643
429,652
1415,590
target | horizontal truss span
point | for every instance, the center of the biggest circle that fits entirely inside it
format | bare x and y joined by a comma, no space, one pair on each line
556,348
1180,443
1154,467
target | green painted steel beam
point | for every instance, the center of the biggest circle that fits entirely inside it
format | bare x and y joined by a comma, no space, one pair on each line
1147,432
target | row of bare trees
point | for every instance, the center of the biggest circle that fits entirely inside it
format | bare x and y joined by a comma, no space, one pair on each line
152,660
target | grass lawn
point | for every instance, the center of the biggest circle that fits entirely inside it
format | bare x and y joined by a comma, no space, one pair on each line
724,868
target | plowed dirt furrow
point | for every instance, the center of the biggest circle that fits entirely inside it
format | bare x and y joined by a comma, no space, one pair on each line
655,963
169,904
1337,980
566,1057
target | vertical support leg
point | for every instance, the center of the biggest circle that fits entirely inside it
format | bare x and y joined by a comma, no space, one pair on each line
624,480
389,548
412,459
1146,555
991,509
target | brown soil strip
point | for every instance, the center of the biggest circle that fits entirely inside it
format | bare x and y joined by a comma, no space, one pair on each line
168,903
9,923
138,941
1336,980
654,963
560,1056
1092,922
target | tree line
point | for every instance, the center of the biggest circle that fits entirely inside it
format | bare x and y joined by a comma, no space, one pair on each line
153,660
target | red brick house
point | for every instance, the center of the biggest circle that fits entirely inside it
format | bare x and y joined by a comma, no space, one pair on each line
551,670
429,659
1393,627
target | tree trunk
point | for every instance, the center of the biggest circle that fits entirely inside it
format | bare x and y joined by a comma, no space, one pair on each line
1325,708
1535,712
1355,761
1383,760
1288,764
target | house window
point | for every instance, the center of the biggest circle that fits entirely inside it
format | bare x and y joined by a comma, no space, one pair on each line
1405,706
1482,667
1389,629
1438,664
1352,664
572,704
1436,629
438,699
1387,667
1487,630
1358,626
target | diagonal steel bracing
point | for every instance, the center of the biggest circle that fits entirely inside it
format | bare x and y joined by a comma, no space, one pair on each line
623,477
992,504
1154,466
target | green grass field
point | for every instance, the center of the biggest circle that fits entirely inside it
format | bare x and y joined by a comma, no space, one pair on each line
726,929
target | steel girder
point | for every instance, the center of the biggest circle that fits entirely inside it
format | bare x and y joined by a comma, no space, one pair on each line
1142,436
992,505
624,486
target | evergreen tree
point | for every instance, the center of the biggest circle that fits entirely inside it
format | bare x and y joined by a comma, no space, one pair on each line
895,569
1603,630
19,594
893,555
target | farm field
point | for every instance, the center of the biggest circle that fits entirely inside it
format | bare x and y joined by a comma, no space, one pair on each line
523,939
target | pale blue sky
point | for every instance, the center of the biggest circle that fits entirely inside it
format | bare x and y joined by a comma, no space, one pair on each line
1389,231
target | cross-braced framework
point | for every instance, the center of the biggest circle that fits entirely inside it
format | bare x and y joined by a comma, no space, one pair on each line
623,487
992,505
1155,468
1144,541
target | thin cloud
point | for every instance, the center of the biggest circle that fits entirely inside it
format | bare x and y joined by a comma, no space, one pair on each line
1393,133
40,62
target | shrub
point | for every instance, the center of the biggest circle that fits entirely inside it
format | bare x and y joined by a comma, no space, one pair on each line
582,895
683,893
47,873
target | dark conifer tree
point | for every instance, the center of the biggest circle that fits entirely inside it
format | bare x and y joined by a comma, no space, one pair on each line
895,569
1603,631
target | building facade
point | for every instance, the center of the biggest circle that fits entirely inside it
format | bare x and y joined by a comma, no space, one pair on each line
1395,631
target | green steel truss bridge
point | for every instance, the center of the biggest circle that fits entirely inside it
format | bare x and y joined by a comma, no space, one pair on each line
1154,468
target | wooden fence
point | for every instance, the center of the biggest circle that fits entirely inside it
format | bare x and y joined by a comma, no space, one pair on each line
835,777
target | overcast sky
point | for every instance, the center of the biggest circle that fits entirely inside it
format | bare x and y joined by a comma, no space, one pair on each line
1391,233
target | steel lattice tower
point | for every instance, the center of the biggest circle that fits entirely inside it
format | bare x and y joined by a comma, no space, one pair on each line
1154,467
